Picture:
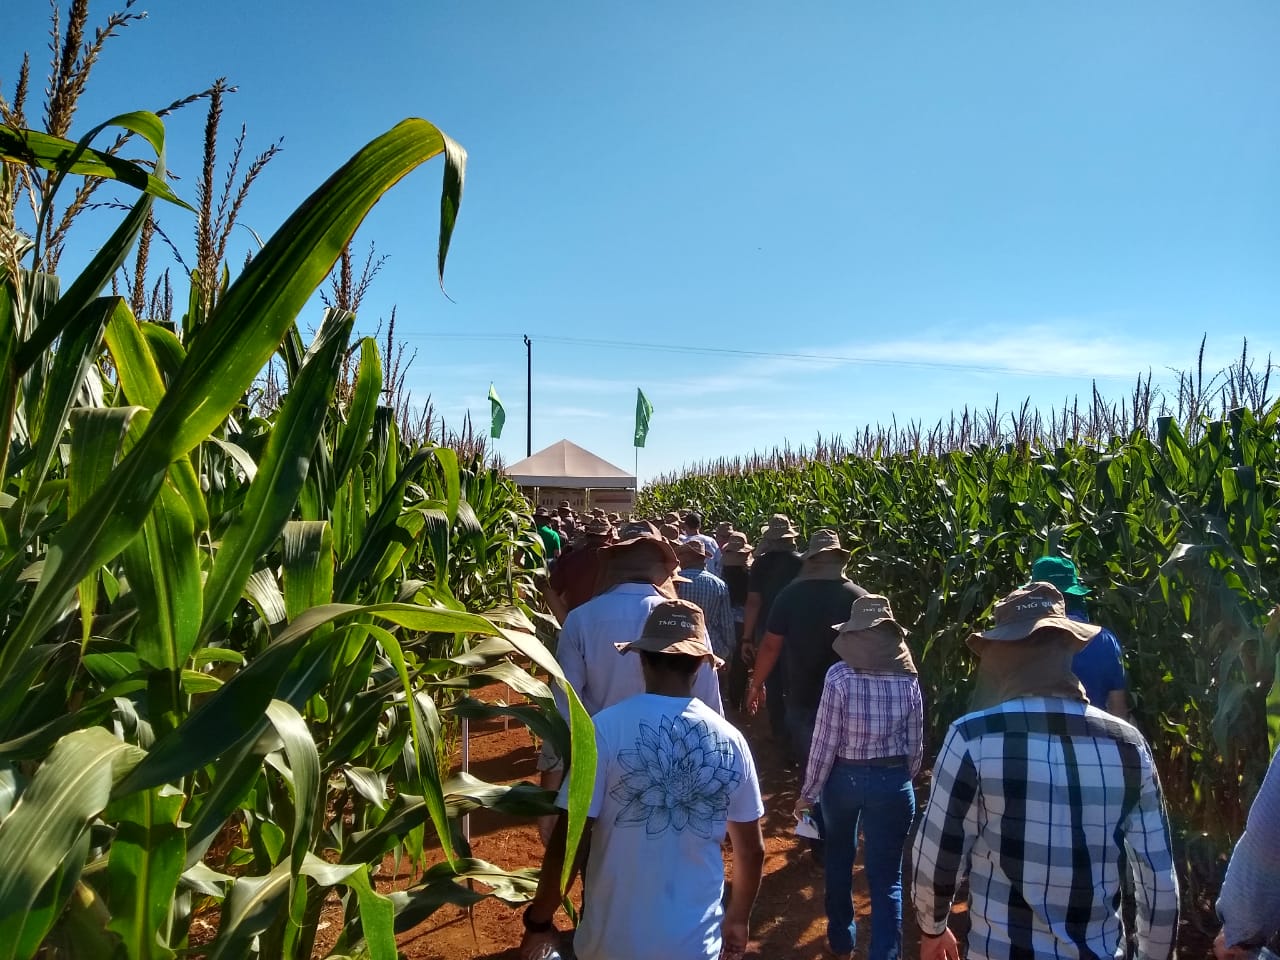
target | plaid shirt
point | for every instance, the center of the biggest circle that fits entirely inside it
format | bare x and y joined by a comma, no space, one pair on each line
710,593
1044,801
864,715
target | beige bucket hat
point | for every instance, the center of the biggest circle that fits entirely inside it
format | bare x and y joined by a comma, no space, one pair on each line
674,626
824,541
1037,606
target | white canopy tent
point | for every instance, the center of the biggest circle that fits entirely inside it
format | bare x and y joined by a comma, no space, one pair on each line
565,471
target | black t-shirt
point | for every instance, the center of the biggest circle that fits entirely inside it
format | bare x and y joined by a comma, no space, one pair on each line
769,574
735,578
803,614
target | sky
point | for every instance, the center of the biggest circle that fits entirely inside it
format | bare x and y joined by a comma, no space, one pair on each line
778,220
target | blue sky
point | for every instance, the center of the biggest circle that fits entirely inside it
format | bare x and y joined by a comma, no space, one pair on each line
1004,197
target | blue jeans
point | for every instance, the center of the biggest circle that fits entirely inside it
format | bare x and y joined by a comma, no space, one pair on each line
882,799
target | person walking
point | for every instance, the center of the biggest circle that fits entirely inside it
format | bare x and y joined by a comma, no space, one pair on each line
574,578
735,560
637,576
1042,800
1249,903
868,743
691,529
673,779
800,633
1100,665
709,592
777,562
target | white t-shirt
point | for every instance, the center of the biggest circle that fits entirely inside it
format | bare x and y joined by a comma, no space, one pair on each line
591,662
670,774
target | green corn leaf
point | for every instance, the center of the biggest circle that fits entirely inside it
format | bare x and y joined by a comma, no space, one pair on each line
64,157
304,765
227,352
97,436
377,917
282,470
54,153
441,885
76,353
264,593
145,862
164,573
308,565
364,402
46,826
205,734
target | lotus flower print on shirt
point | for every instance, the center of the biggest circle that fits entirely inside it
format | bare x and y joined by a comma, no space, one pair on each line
678,776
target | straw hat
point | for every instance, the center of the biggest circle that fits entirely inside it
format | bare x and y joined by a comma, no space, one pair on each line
1038,606
674,626
824,542
862,646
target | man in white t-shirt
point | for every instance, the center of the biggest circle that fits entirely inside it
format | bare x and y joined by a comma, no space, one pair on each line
672,777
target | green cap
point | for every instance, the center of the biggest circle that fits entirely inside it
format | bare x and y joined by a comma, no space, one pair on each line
1061,572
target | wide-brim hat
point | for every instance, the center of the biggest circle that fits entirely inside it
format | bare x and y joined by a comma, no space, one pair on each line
868,612
824,542
676,627
1037,606
1061,572
565,505
692,545
779,528
619,548
598,527
724,527
669,531
671,517
737,543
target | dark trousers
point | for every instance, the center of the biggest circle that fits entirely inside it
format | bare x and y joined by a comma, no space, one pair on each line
736,685
882,801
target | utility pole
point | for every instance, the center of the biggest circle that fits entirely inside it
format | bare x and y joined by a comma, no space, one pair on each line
528,397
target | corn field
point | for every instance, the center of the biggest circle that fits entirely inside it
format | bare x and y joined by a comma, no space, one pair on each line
235,635
1171,511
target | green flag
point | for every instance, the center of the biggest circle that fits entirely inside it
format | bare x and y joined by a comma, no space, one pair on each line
644,410
497,416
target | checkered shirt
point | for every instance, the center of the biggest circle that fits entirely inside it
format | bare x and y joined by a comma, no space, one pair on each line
864,715
1045,802
710,593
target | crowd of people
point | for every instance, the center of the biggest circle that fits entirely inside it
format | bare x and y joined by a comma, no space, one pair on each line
1044,797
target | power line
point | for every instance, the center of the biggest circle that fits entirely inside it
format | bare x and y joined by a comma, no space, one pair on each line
827,359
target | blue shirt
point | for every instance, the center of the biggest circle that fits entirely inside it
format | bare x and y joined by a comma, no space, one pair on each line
1098,666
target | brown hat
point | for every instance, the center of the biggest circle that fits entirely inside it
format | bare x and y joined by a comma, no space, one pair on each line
565,505
1037,606
671,517
669,531
637,528
613,517
674,626
724,527
864,647
637,540
824,541
867,612
779,528
737,543
692,545
598,527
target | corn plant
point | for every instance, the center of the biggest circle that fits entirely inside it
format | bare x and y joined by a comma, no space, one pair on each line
1174,520
231,640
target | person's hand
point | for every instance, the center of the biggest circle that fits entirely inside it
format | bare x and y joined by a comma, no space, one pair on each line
748,652
735,936
1224,952
802,806
754,697
943,947
537,946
